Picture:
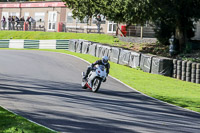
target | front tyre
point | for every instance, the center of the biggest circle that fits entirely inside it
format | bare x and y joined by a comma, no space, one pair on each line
96,84
83,84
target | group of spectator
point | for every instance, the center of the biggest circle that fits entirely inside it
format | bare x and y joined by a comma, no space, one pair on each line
16,23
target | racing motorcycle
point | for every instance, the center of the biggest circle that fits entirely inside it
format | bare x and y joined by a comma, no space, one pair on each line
94,79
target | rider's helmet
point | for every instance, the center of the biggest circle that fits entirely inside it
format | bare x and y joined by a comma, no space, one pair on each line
105,60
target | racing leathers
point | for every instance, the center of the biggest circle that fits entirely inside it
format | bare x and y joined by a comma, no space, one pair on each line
98,62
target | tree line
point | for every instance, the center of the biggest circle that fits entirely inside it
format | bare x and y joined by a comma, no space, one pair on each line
169,16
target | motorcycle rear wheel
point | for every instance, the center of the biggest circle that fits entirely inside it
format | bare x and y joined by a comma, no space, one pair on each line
96,84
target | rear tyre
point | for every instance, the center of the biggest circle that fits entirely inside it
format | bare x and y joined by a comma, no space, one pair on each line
96,84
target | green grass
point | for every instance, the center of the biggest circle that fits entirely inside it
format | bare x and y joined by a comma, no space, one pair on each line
11,123
38,35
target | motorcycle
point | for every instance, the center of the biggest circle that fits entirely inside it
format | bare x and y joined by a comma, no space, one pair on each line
94,79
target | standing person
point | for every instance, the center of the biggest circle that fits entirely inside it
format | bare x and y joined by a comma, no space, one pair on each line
29,22
17,21
4,23
13,22
22,23
9,22
33,23
98,22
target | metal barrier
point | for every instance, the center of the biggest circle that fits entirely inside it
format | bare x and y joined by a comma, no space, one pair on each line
4,43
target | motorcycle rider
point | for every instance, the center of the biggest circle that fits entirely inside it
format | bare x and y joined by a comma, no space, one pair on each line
103,61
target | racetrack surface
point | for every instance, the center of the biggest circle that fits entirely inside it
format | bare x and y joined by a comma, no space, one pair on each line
45,87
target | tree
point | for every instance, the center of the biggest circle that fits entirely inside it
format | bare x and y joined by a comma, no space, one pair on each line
179,15
83,8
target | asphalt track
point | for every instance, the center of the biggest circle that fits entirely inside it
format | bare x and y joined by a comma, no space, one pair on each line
45,87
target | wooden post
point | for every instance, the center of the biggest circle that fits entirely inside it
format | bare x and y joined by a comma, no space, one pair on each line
141,32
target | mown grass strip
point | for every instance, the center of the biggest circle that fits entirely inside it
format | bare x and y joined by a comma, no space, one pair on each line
38,35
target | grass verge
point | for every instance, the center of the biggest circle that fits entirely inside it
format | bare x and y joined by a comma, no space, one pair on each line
38,35
11,123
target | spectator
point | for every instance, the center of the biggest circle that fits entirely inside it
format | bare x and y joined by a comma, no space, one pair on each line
4,23
17,21
98,23
22,23
9,22
13,22
29,22
33,23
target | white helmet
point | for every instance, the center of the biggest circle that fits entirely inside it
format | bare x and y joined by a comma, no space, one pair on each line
105,60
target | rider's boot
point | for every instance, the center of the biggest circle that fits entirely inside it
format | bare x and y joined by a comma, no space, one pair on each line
87,73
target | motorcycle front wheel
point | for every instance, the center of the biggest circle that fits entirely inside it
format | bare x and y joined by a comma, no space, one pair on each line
83,84
96,84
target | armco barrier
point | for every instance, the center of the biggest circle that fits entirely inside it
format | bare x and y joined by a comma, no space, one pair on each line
62,44
72,45
98,50
146,62
92,49
4,43
134,60
114,55
109,51
124,57
85,47
162,66
16,44
79,46
35,44
105,51
47,44
31,44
